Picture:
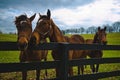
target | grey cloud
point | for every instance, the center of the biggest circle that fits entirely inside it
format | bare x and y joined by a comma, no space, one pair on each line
11,8
42,3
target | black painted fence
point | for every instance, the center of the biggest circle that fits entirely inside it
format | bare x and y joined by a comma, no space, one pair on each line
64,63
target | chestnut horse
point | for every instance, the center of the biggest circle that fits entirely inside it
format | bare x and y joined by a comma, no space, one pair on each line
99,38
24,29
77,54
47,28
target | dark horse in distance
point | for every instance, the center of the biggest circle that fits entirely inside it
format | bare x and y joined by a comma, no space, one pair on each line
99,38
24,31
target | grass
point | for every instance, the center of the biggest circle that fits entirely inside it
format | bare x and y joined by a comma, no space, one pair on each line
8,56
8,37
13,56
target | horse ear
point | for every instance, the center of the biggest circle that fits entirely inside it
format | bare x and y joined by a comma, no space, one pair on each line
105,28
48,13
16,17
39,15
99,28
25,14
32,17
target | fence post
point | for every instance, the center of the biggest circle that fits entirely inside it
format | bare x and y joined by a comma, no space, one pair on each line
64,61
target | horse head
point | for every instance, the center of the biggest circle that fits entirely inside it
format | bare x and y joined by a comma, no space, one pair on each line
100,36
42,29
24,30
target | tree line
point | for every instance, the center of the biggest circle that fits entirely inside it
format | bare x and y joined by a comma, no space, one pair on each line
115,27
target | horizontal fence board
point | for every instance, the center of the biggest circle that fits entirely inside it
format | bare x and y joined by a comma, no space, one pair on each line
96,75
53,79
92,47
5,46
11,67
94,61
10,46
14,67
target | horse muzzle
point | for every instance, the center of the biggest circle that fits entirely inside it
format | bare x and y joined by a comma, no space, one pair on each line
22,46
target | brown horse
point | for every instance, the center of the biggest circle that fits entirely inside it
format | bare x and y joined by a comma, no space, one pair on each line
24,29
99,38
77,54
47,28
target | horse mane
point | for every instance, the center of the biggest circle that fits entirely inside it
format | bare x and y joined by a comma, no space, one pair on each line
44,17
20,18
59,32
78,38
53,24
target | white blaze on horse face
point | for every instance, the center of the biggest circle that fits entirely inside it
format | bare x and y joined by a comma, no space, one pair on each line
23,21
40,20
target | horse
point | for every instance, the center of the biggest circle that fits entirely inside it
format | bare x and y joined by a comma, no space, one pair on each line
77,54
47,28
24,31
99,38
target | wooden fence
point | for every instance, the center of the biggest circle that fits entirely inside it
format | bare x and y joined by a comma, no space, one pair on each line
64,63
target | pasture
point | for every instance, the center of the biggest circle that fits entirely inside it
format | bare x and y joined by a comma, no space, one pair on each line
13,56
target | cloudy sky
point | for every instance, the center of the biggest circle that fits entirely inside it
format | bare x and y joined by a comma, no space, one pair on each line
65,13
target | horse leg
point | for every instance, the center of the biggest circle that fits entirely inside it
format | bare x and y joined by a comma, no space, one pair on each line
24,75
23,58
71,71
93,68
82,69
37,74
97,67
79,70
45,69
57,72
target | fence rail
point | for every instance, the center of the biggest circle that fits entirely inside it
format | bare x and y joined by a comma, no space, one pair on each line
64,62
11,46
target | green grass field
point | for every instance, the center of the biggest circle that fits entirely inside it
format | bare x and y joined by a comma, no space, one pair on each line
13,56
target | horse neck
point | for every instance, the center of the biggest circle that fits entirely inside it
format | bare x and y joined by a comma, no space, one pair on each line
56,35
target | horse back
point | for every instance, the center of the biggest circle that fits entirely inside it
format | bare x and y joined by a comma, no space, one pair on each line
89,41
66,38
77,39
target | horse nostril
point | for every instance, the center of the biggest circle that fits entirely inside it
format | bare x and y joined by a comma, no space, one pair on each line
25,44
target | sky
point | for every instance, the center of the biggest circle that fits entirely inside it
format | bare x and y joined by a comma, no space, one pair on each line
66,14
